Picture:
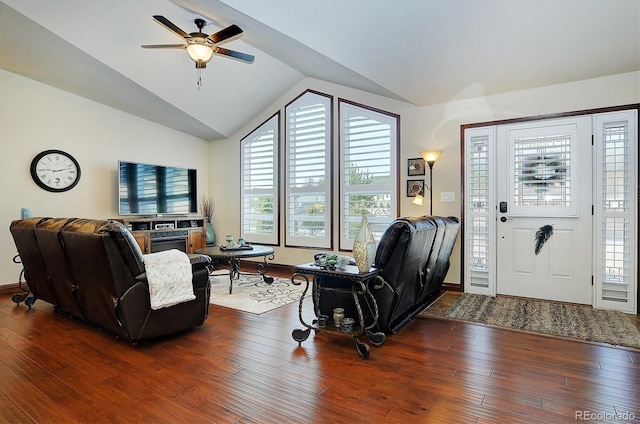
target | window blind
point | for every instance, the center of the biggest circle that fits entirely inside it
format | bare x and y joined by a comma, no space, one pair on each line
259,173
308,185
479,185
615,206
368,171
616,141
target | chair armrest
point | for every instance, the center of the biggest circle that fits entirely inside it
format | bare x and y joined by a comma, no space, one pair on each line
197,258
199,264
198,261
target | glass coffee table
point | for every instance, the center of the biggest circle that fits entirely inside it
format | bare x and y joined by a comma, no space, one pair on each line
232,257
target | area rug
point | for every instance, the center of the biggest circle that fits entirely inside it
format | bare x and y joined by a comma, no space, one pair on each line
558,319
252,294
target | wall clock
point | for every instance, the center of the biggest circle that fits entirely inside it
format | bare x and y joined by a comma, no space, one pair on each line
55,170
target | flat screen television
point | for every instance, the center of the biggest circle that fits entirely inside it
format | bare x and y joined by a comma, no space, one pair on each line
146,189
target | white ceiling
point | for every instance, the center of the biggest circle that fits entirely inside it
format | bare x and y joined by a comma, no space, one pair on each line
420,51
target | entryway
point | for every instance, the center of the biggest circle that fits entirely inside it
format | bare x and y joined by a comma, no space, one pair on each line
550,208
544,186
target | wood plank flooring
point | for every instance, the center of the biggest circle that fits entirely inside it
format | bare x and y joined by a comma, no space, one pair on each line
244,368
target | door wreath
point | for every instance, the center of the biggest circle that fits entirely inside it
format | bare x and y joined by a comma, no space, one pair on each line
542,170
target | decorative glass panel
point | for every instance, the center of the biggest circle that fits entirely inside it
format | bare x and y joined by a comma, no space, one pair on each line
478,183
479,243
615,199
616,169
542,174
479,174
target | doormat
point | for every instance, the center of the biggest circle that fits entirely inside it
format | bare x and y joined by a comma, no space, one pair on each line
580,322
252,294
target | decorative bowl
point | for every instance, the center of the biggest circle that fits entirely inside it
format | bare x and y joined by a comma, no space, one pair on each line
346,325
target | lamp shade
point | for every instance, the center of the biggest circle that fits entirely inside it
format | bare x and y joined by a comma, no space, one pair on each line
430,156
200,52
417,200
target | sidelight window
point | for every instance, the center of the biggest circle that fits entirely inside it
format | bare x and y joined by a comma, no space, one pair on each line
617,210
479,206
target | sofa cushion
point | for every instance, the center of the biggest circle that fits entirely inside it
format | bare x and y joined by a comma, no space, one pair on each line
35,271
48,236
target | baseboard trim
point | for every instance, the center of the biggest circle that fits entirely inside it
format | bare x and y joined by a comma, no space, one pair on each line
9,289
452,287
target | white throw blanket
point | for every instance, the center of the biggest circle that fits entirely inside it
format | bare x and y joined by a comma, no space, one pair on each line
169,276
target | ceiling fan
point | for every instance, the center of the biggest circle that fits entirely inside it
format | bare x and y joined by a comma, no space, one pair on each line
201,47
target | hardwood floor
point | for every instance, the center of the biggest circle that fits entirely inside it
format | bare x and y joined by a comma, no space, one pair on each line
244,368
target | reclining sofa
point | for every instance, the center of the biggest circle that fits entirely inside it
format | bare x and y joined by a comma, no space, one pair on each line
413,258
95,271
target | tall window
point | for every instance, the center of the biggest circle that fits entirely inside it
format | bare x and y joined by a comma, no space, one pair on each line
616,198
259,173
368,170
308,171
479,227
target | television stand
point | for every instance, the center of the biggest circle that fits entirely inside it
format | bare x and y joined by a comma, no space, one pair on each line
156,233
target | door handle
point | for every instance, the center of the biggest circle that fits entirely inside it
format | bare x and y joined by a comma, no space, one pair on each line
503,219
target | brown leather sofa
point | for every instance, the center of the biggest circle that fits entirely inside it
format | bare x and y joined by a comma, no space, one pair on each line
94,270
413,258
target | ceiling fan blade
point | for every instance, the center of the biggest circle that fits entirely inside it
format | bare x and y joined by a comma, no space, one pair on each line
230,33
164,46
170,26
243,57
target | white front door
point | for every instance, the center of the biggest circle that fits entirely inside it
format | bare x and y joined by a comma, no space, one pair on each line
544,240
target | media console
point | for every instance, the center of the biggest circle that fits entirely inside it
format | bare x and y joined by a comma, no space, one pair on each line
154,234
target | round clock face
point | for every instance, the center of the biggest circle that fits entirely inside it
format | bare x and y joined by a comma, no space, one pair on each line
55,170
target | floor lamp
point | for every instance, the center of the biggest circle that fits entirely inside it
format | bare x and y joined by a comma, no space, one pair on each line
430,157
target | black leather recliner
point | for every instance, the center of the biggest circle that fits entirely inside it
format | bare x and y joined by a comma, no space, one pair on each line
413,258
94,270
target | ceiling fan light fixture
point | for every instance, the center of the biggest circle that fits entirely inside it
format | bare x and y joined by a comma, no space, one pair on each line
200,53
200,46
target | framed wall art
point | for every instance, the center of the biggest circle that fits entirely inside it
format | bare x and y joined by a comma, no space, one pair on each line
415,187
415,166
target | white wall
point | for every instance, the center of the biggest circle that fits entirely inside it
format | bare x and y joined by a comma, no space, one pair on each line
36,117
422,128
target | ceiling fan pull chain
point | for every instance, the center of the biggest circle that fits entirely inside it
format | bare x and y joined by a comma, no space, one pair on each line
199,79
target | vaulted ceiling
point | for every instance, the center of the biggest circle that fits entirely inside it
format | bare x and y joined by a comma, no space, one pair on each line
420,51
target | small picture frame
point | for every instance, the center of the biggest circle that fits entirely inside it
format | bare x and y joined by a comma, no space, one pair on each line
415,166
415,187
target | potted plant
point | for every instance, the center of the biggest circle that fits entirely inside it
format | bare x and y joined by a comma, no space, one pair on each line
206,209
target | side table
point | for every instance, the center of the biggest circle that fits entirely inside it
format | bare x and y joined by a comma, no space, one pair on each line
345,279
